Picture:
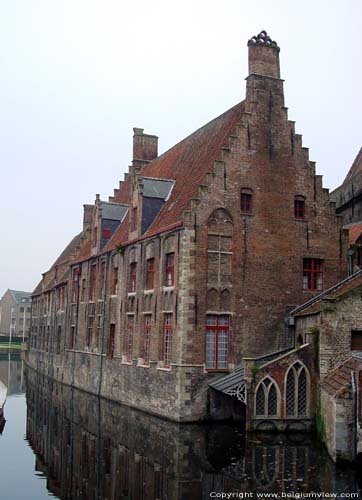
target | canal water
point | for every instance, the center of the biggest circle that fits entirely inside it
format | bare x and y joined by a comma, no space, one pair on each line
63,443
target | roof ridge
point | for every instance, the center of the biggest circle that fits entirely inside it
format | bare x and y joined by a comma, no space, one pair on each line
188,137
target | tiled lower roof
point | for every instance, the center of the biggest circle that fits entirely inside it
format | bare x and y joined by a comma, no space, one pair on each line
312,306
339,379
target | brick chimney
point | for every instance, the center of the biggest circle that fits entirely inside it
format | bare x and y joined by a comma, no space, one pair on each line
145,147
87,215
263,56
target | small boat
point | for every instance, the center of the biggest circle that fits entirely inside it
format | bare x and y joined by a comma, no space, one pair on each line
3,394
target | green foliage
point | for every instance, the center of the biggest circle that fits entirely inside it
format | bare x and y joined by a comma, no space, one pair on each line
120,249
254,371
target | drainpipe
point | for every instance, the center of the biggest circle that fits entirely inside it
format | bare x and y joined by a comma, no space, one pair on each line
354,416
350,261
104,323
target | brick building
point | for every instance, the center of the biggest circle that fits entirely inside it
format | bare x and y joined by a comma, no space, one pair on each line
335,318
15,312
195,261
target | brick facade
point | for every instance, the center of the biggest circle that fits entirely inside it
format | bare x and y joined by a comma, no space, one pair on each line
235,222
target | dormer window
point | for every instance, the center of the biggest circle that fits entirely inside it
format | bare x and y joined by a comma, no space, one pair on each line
246,201
299,207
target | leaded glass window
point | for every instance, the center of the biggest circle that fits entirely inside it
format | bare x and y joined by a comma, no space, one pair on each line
296,397
266,402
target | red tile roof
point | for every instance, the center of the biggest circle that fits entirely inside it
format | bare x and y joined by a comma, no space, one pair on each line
337,381
187,163
355,231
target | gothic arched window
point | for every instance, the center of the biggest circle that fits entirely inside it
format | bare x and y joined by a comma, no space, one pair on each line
296,391
267,399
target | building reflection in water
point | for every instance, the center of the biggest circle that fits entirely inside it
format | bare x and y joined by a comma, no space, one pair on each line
12,373
90,448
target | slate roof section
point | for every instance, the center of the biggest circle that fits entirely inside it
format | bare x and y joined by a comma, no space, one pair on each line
356,167
20,297
339,289
228,382
113,211
156,188
337,381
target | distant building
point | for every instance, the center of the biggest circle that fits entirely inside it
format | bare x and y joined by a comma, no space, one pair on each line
15,313
348,200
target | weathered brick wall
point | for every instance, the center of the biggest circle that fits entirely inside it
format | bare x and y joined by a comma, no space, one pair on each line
268,245
328,415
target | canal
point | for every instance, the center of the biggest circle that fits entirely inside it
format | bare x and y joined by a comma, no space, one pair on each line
63,443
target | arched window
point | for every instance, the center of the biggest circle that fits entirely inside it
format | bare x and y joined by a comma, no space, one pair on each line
267,399
299,207
296,391
246,201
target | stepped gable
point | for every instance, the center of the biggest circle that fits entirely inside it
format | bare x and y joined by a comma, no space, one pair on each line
188,162
356,167
341,288
338,381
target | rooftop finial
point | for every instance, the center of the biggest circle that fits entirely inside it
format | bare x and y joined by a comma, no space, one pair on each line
263,39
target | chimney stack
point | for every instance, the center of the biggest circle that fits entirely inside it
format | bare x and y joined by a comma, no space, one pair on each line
145,147
263,56
87,215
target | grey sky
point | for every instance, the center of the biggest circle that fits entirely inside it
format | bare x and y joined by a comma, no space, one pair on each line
77,75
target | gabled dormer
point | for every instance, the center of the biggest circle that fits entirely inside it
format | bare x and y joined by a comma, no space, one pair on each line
107,216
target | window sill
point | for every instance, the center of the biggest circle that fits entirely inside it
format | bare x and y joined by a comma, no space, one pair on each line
299,219
246,214
164,368
148,291
126,361
168,288
131,294
217,370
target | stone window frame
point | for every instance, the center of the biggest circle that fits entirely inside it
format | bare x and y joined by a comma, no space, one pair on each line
266,390
219,329
296,390
167,339
147,330
246,200
313,272
150,273
299,207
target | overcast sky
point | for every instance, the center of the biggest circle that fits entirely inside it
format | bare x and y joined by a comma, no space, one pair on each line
78,75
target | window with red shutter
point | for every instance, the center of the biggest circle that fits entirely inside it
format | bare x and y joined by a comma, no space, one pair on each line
313,274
